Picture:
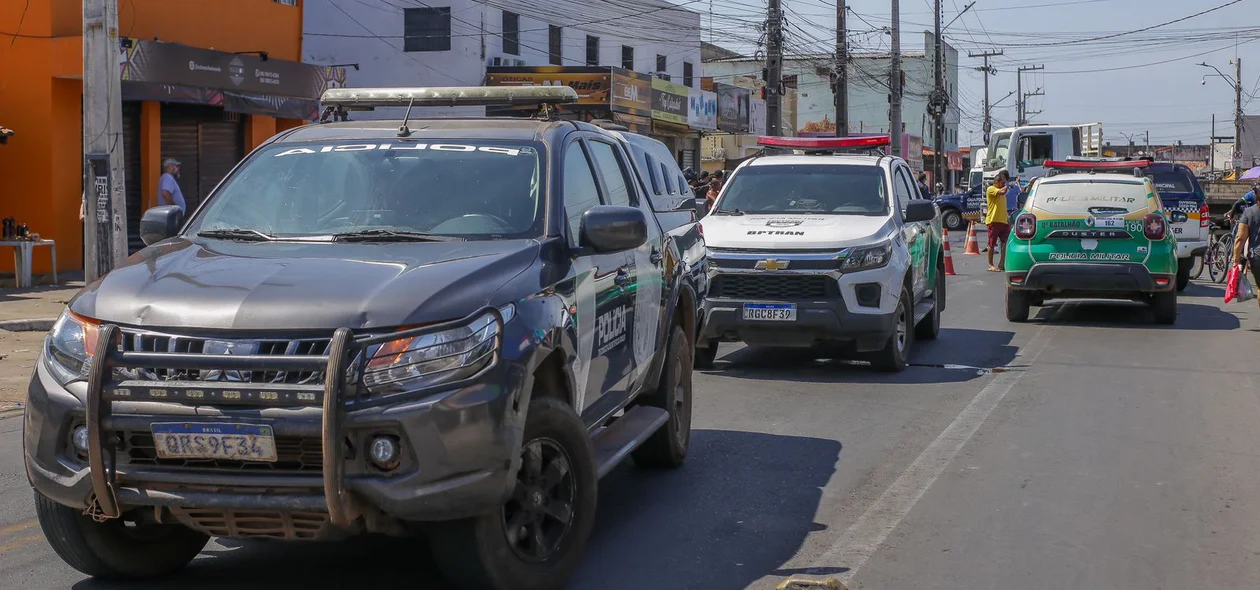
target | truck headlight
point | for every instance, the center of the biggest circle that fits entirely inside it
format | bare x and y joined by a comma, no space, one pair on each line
432,359
868,257
69,347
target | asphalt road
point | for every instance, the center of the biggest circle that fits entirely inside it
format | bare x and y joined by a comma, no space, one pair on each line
1105,453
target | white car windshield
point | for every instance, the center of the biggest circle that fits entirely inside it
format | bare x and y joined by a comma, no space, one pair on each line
838,189
466,189
999,149
1095,197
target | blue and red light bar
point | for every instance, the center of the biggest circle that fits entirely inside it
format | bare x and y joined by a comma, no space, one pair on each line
1097,164
826,143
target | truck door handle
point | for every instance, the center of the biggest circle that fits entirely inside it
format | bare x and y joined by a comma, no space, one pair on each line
656,257
623,276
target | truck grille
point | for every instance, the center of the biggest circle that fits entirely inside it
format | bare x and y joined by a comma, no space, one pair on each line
269,524
759,287
293,454
137,341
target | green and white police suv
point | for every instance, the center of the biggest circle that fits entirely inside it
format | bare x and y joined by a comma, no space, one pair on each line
1088,233
813,247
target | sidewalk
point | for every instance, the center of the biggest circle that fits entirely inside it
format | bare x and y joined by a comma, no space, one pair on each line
34,309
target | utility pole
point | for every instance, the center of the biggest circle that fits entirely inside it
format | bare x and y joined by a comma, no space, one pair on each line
1238,111
774,68
1212,146
1148,143
841,87
988,71
894,82
938,101
1022,116
105,209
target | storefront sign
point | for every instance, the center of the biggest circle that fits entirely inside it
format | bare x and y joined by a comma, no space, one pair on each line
591,84
732,108
182,65
756,116
955,160
669,101
631,92
701,109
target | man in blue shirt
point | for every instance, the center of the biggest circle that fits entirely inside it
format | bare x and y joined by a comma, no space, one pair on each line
1013,190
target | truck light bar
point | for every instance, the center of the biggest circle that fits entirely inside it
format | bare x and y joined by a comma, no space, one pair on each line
364,99
1098,163
825,143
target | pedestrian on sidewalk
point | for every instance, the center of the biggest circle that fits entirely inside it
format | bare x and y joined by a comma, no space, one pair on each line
168,186
1247,242
924,191
997,219
715,189
1013,190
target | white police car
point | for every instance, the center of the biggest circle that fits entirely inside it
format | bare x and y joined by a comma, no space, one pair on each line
819,248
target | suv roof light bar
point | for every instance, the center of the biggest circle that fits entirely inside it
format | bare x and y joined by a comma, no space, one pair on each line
826,144
366,99
1094,165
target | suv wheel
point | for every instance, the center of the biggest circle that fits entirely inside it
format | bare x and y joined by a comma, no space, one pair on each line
896,352
534,541
1184,266
1017,303
1165,307
668,446
116,548
930,327
952,220
705,356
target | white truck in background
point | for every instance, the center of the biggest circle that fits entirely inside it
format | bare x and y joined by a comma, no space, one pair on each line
1023,151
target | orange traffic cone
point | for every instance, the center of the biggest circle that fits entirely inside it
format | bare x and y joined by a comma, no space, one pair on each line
973,243
949,259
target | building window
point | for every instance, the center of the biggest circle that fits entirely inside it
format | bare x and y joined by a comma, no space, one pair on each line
627,57
687,74
592,50
286,2
511,33
660,68
553,45
427,29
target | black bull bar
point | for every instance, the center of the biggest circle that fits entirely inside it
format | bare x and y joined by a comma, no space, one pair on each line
344,348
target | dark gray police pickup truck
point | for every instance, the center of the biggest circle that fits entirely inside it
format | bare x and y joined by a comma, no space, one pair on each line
451,327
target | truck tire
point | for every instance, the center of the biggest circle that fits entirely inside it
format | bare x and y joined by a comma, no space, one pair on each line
952,219
705,356
896,353
113,550
536,539
1184,266
667,448
1165,307
1017,304
930,327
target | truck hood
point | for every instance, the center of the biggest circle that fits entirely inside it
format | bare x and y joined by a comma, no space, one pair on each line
771,232
302,285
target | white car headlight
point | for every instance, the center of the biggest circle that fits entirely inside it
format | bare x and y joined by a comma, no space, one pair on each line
868,257
432,359
69,347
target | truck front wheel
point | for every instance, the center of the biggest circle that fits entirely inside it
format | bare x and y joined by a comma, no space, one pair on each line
952,219
896,352
117,548
667,448
534,541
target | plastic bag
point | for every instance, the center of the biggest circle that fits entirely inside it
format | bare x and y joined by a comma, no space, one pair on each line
1231,282
1246,292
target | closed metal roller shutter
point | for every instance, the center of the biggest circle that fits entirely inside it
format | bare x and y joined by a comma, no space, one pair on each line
687,158
131,173
179,141
222,146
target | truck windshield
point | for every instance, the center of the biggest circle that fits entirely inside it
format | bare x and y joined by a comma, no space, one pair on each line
838,189
468,189
1096,197
998,150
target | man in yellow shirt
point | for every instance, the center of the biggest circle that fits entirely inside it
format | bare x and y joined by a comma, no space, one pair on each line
997,219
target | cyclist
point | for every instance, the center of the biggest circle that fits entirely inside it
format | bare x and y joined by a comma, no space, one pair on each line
1241,205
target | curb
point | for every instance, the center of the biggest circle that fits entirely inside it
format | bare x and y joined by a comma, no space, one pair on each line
12,413
36,325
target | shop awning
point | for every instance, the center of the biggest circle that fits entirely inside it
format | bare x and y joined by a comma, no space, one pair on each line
673,129
636,123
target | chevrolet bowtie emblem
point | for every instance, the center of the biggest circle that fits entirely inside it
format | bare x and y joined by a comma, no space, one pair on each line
772,264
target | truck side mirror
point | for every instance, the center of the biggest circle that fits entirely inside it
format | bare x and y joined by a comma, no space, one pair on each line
607,228
160,223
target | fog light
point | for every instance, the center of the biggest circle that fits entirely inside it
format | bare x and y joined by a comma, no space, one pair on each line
384,452
868,294
80,439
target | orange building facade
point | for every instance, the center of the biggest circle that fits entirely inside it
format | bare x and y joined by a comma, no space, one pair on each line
203,81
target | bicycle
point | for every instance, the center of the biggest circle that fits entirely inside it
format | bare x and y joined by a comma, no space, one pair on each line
1218,256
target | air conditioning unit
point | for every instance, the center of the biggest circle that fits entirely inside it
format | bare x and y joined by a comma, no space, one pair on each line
496,61
516,62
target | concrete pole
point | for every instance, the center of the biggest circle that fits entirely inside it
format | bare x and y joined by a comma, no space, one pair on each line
105,212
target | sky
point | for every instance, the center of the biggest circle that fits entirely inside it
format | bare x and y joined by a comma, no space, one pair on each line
1144,82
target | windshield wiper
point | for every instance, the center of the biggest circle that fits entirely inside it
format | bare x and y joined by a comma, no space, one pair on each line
729,212
389,235
246,235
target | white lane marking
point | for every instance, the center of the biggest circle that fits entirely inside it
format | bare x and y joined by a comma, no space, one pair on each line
861,540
